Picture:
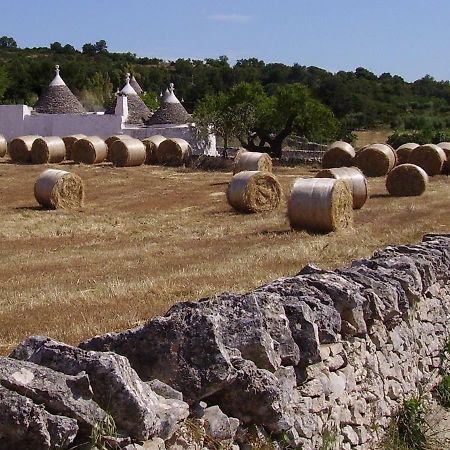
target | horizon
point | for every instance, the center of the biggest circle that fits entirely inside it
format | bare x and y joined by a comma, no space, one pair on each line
407,39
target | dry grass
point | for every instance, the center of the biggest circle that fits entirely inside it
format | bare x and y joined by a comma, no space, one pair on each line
151,236
367,137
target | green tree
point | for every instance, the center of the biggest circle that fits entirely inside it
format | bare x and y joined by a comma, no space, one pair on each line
262,122
4,82
7,42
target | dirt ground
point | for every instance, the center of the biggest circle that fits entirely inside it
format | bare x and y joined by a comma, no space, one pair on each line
151,236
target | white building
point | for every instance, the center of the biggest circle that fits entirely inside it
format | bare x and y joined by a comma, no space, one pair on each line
59,113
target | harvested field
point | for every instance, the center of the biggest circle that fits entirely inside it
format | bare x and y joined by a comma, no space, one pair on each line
150,236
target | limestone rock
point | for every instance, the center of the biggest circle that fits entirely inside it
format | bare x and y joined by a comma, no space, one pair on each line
62,394
183,349
255,397
218,425
25,425
136,409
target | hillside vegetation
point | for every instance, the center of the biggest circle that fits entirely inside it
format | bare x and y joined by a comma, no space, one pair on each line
358,99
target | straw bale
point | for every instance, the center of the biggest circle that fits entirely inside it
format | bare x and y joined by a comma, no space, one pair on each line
151,145
19,148
59,189
111,139
338,154
49,149
320,205
3,146
89,150
173,152
245,160
355,180
376,160
430,157
69,141
127,153
406,180
254,191
446,147
404,151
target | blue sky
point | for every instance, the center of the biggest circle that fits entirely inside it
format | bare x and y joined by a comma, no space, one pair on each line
410,38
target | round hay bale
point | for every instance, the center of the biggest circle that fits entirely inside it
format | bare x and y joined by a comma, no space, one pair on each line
404,151
127,153
50,149
59,189
430,157
406,180
338,154
151,146
320,204
446,147
376,160
254,191
173,152
3,146
69,141
355,180
245,160
89,150
19,148
117,137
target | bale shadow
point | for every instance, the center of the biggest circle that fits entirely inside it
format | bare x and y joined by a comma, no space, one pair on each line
380,195
29,208
222,183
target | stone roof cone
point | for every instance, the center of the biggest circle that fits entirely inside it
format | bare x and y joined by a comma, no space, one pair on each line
171,110
58,99
138,111
135,85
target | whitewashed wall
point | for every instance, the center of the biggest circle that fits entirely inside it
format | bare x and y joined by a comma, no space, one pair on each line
18,120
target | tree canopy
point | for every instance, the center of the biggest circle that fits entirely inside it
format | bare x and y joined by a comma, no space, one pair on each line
261,120
358,99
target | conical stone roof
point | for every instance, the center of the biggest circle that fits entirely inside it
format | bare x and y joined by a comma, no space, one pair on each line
138,111
171,110
58,99
135,85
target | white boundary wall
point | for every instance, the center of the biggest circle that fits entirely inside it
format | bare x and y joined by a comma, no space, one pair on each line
19,120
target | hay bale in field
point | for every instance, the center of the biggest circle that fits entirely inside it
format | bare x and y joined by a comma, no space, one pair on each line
338,154
173,152
254,191
109,141
127,153
376,160
446,147
320,204
245,160
50,149
59,189
404,151
406,180
3,146
430,157
355,180
89,150
69,141
19,148
151,146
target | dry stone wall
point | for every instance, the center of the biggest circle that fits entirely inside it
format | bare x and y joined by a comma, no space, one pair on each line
323,353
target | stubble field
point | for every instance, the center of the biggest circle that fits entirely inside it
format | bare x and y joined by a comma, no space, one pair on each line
151,236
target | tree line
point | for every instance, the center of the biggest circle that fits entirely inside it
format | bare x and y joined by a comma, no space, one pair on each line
355,99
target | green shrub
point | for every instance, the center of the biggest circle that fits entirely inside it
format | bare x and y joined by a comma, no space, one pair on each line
443,391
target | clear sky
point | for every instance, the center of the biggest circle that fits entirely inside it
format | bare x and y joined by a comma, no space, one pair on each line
410,38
